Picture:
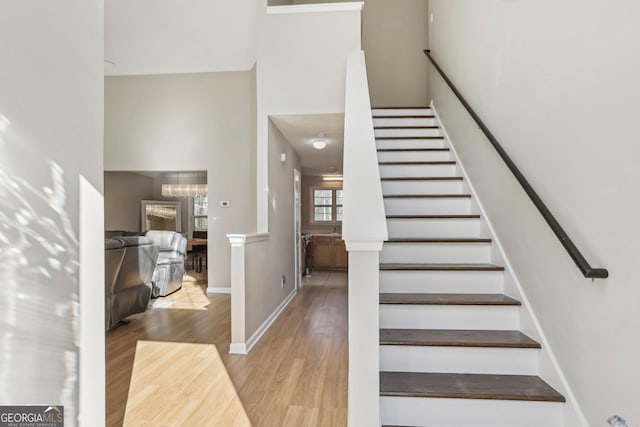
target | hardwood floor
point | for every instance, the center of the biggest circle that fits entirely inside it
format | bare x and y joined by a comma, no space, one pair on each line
170,366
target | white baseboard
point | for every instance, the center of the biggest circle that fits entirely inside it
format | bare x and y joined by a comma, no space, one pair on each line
245,348
218,290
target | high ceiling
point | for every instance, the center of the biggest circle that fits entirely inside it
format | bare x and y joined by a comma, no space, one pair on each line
301,130
187,36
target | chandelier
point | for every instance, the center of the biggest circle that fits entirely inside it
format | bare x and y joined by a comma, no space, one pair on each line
184,190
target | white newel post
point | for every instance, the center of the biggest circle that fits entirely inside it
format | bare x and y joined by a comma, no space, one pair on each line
364,339
238,338
364,230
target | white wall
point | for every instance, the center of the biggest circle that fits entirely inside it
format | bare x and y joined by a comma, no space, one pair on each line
263,289
301,70
51,255
394,35
190,122
557,84
123,192
168,37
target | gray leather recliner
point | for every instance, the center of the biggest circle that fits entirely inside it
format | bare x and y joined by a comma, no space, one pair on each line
169,271
129,266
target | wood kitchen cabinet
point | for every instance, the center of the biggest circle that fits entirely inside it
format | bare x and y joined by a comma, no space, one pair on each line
329,252
341,257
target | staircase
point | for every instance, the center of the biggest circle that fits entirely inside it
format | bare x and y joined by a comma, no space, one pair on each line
451,352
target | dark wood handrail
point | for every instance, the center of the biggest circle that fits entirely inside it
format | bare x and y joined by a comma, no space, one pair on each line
574,253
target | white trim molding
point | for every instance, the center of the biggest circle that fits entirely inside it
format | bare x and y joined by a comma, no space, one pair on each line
245,348
238,288
243,239
218,290
355,6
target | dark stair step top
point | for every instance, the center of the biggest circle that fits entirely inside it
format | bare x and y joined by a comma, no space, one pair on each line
427,107
467,386
385,150
456,338
439,267
408,127
423,178
433,216
415,116
438,240
384,138
447,299
418,163
427,196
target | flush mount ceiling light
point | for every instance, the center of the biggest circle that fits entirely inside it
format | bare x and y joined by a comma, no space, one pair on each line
332,178
319,144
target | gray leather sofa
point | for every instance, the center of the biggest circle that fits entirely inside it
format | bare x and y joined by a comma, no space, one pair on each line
129,265
169,271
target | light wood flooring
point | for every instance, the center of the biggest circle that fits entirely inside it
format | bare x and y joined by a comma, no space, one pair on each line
170,366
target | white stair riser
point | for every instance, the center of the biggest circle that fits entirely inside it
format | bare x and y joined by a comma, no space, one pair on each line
405,122
407,316
421,187
428,206
439,412
410,143
407,132
463,360
397,171
414,156
433,227
489,282
401,111
477,253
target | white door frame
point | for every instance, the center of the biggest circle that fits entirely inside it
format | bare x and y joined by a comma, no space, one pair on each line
297,232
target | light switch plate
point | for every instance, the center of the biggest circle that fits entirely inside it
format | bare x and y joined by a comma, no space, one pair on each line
225,204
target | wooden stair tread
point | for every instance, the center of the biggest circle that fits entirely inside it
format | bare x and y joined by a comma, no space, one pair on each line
439,267
401,108
391,150
427,196
467,386
447,299
378,138
423,162
423,178
439,240
416,116
456,338
433,216
408,127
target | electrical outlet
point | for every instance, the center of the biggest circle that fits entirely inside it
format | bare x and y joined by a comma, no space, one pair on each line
283,280
225,204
